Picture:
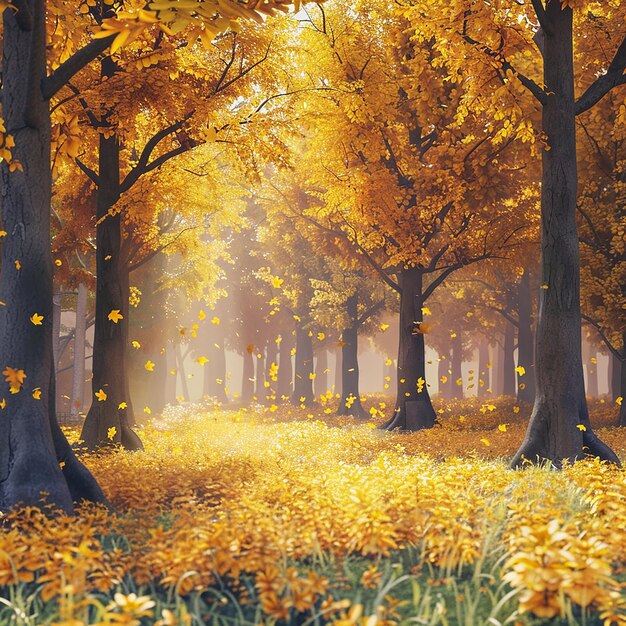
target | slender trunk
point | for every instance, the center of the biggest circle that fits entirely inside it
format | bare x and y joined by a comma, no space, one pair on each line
560,405
622,388
444,372
284,384
592,371
108,420
350,403
303,383
615,372
170,386
32,445
182,374
259,378
496,369
338,369
525,357
414,409
456,366
483,370
56,329
321,372
508,360
78,370
271,362
247,377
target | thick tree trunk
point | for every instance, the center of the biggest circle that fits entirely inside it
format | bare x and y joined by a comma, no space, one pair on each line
525,340
414,409
109,348
350,403
456,367
508,360
78,370
321,372
247,377
32,446
560,407
284,385
483,370
303,383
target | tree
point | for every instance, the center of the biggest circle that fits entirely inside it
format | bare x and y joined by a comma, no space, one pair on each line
500,46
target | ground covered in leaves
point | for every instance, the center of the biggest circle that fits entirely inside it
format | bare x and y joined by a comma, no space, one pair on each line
290,515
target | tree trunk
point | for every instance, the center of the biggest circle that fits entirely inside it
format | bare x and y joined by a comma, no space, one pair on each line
525,358
109,347
303,383
259,378
180,366
78,370
483,370
615,372
338,369
622,387
560,406
350,403
170,387
284,384
56,329
271,359
508,360
496,369
32,445
247,377
592,372
321,372
414,409
456,366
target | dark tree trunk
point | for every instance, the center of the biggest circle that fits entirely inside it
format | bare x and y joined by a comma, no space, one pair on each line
560,405
284,385
525,340
78,369
321,372
247,377
483,370
456,367
338,369
444,372
109,347
350,403
622,387
414,409
215,371
303,383
56,329
508,360
32,446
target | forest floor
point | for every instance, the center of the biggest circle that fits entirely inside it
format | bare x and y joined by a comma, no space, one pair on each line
290,515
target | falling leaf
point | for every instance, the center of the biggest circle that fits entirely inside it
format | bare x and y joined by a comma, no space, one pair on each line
581,427
173,372
384,327
107,257
485,441
201,315
3,403
58,262
388,362
18,265
122,405
515,409
202,360
277,282
111,432
36,319
312,376
15,378
426,311
502,428
37,393
215,321
149,366
147,410
520,370
444,380
321,336
3,233
115,316
101,395
136,345
619,400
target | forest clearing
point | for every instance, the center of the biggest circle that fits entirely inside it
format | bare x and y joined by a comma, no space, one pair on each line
313,313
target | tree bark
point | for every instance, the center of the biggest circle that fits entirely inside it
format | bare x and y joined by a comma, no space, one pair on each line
508,360
321,372
109,347
350,403
414,409
56,328
303,383
622,387
32,446
483,370
559,426
78,370
284,385
525,357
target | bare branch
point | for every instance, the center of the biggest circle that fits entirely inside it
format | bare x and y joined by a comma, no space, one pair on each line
88,171
614,351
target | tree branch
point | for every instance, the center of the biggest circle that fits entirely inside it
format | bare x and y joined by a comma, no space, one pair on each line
614,351
64,73
603,84
23,15
542,16
88,171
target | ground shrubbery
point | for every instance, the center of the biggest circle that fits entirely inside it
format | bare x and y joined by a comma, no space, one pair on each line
292,515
